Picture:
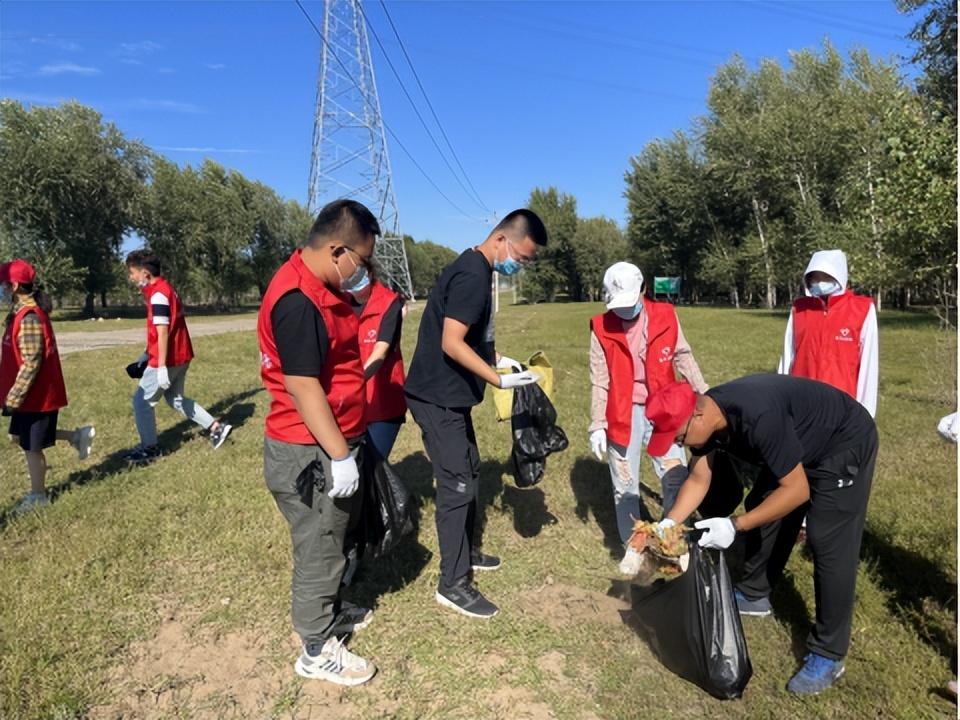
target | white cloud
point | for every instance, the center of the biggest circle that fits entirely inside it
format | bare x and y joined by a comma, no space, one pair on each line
168,105
233,151
145,47
68,68
59,43
216,66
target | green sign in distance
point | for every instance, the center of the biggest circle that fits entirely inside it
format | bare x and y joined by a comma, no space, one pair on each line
666,286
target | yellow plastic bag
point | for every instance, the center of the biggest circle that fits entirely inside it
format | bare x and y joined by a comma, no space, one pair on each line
503,399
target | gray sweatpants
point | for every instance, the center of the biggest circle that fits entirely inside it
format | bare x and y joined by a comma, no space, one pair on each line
318,524
149,393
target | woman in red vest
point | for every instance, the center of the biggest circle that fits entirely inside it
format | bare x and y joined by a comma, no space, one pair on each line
380,312
31,380
635,349
832,332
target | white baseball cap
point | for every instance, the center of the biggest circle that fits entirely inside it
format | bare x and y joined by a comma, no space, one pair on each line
623,283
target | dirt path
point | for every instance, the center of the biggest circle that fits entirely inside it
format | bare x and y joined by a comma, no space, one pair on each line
69,342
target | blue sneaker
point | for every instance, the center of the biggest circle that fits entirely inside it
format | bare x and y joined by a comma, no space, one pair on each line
817,674
755,608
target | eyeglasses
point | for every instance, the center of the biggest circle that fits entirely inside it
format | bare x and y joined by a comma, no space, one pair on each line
524,261
681,439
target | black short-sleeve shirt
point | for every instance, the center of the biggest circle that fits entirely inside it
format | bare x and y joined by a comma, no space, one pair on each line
462,292
300,334
780,421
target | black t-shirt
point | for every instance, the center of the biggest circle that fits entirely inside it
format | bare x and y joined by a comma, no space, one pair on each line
780,421
300,334
391,322
462,292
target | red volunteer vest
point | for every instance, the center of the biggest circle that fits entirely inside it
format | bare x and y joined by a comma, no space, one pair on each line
385,399
826,339
179,347
48,392
662,329
342,375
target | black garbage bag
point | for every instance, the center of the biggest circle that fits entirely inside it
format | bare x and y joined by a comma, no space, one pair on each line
388,510
692,625
535,434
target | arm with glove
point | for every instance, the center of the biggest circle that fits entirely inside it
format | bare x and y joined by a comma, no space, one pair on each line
163,341
599,385
456,348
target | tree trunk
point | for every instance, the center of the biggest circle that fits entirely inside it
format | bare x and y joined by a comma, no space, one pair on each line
767,265
735,296
88,305
103,298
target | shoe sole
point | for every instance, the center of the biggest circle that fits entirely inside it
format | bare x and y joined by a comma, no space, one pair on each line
453,606
756,613
331,677
483,568
223,436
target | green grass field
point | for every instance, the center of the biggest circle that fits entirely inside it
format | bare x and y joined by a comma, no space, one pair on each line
164,591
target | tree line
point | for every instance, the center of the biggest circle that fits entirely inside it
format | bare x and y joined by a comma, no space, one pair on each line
828,152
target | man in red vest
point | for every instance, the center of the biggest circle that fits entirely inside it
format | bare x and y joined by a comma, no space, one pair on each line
32,390
832,332
168,355
310,364
636,347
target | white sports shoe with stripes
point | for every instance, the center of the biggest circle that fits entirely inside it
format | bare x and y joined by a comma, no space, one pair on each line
335,664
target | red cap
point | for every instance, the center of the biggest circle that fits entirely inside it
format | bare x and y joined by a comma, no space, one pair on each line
668,409
17,271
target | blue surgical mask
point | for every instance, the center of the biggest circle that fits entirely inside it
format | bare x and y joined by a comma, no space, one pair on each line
508,266
630,313
823,288
358,281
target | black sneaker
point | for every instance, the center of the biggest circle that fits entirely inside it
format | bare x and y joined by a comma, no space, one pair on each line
143,455
466,600
218,436
480,561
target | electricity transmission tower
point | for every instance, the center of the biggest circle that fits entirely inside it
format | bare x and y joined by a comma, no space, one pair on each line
349,157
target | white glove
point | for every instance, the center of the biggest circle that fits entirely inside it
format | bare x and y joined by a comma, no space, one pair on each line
719,534
507,363
346,477
527,377
663,525
598,443
163,377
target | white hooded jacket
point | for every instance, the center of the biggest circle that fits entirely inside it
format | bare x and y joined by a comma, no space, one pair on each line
834,264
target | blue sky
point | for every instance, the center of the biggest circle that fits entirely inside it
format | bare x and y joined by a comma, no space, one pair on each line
530,93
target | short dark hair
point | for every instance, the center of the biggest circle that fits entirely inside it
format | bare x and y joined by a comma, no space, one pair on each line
145,259
351,222
525,223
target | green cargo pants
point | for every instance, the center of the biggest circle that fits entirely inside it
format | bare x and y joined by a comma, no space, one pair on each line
318,524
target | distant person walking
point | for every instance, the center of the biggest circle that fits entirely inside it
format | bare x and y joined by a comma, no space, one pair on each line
450,370
636,347
168,355
32,390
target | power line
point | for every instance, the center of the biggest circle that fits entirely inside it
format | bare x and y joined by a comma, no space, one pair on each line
350,77
423,122
430,105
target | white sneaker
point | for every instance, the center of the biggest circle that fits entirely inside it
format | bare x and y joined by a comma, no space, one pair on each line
31,502
83,440
335,664
631,563
351,618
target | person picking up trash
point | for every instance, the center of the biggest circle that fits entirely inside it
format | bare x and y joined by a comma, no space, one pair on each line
636,347
817,448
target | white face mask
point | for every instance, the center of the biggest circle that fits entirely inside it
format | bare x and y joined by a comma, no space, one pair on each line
823,288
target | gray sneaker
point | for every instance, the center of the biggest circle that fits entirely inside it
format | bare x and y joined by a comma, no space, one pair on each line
754,608
334,663
31,502
351,618
219,436
466,600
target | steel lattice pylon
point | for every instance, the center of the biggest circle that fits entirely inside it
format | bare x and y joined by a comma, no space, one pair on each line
349,158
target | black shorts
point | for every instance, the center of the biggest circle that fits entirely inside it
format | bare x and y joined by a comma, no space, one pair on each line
35,431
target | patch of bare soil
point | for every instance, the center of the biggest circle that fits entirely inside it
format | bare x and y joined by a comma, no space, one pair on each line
566,606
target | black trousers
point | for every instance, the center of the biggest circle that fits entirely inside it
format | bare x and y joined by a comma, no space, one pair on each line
451,444
839,491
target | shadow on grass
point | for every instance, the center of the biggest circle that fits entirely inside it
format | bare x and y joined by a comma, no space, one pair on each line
529,509
921,594
231,410
590,482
